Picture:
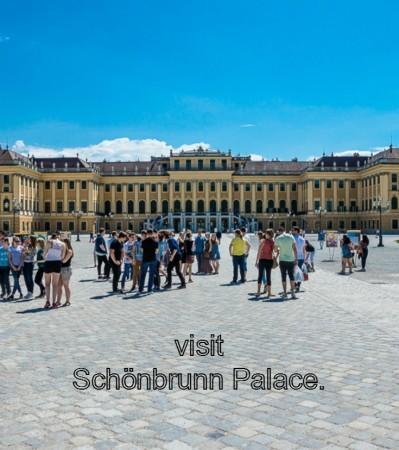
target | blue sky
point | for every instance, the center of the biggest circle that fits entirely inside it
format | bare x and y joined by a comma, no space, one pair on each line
277,79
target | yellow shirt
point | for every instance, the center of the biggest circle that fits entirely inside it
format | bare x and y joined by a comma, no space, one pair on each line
238,246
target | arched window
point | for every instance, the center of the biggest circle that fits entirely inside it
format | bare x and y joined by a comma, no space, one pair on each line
282,206
294,206
118,207
189,206
200,186
130,207
107,207
247,206
213,186
153,206
270,206
394,203
177,206
259,207
130,226
165,207
142,207
200,206
212,206
224,206
6,205
236,207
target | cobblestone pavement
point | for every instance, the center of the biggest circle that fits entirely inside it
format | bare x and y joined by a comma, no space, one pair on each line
341,328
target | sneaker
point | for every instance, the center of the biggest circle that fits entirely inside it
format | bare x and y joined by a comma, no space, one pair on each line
233,282
182,286
166,286
293,296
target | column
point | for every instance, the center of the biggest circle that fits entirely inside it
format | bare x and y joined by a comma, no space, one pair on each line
322,193
194,188
66,206
206,187
335,192
159,199
276,203
218,197
147,198
182,198
241,198
171,188
253,198
41,197
77,189
230,196
359,194
124,198
384,187
264,197
90,206
53,208
113,198
347,203
136,188
310,195
301,205
288,195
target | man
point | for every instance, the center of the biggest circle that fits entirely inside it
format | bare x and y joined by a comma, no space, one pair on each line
100,248
112,238
174,262
320,238
149,263
285,247
116,255
128,261
300,251
199,251
237,250
247,249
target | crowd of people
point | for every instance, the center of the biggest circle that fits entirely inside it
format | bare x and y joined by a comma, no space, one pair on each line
138,261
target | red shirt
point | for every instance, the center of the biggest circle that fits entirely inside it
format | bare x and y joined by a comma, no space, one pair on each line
267,249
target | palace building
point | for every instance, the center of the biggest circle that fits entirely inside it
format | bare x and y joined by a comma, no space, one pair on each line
204,189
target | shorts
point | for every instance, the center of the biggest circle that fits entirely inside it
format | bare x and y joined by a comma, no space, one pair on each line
287,268
66,273
189,259
52,266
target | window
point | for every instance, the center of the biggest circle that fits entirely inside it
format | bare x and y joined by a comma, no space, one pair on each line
189,206
47,226
317,205
177,206
200,164
224,186
84,186
188,186
248,206
224,164
328,184
83,206
236,187
213,186
329,205
271,187
293,187
270,206
153,207
394,203
247,187
164,187
259,187
83,226
47,185
317,184
71,226
212,164
6,205
59,207
177,186
107,188
200,206
153,187
130,187
395,224
224,206
353,184
177,164
353,206
341,184
107,207
200,186
141,207
59,184
283,207
130,207
6,179
212,206
282,187
165,207
118,188
71,206
259,207
142,187
118,207
188,164
47,207
294,206
394,178
236,207
71,185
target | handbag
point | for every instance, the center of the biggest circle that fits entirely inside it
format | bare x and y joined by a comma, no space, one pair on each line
275,263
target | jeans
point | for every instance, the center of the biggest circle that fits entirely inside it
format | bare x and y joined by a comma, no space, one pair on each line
5,280
145,266
28,276
103,259
127,272
39,278
238,262
116,273
363,257
200,261
174,264
17,287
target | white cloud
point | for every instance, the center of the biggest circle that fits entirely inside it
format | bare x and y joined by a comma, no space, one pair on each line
120,149
248,125
256,157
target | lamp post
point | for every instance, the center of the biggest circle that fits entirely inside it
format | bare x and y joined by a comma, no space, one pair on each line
16,208
379,205
319,212
78,215
110,215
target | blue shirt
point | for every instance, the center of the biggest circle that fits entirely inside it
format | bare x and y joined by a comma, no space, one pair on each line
100,241
16,255
173,245
4,257
199,244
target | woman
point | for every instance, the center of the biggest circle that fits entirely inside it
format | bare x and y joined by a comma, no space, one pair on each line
16,258
363,251
207,268
346,248
264,262
237,251
137,260
53,256
29,262
65,275
5,269
310,251
40,267
215,253
189,256
163,253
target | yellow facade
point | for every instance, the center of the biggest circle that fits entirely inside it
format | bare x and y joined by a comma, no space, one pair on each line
199,189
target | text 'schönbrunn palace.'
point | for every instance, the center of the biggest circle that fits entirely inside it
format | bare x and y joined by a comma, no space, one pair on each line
199,189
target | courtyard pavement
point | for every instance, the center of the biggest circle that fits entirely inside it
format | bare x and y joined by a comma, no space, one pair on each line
342,328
